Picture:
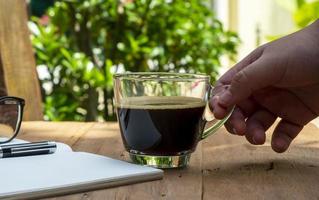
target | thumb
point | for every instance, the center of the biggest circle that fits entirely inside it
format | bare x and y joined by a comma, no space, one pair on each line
257,75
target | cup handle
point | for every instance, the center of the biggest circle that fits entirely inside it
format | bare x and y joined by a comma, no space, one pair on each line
216,123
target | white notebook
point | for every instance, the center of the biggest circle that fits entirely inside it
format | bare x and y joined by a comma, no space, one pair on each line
66,172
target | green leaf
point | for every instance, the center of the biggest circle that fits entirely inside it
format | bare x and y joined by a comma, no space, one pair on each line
307,13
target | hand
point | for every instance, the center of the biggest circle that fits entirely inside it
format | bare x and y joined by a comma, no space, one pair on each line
278,79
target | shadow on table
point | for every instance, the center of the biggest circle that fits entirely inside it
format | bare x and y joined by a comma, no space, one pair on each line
261,173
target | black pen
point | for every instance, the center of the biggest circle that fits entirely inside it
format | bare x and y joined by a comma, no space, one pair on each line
27,149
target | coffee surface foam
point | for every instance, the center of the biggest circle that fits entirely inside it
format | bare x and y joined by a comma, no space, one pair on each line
169,102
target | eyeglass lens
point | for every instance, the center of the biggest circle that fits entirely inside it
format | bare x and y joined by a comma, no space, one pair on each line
9,115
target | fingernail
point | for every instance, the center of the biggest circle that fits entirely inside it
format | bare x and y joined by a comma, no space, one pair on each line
280,145
225,98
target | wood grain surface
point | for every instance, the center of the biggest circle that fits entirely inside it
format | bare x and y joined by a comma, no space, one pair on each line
17,59
224,166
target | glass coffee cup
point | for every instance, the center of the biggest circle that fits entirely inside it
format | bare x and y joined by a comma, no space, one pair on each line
162,116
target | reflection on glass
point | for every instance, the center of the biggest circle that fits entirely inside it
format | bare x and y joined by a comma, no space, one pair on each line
10,117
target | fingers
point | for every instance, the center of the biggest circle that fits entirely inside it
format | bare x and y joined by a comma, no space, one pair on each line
218,111
228,76
285,104
255,76
223,83
257,125
236,123
283,135
247,106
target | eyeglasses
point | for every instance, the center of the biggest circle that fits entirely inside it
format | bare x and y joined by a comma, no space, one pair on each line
11,112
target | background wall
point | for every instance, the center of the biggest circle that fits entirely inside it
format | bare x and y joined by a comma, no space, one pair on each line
255,21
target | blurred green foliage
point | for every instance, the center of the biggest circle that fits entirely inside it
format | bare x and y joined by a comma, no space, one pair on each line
306,12
86,41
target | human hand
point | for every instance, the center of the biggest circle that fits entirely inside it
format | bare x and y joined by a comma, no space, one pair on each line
278,79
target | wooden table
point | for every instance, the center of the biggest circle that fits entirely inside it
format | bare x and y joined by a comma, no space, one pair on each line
224,166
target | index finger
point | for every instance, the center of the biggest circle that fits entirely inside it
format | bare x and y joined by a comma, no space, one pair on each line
224,81
228,76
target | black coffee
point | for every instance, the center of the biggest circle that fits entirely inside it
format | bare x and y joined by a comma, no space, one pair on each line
161,125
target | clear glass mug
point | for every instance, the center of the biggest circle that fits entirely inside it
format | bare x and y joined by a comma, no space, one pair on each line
162,116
